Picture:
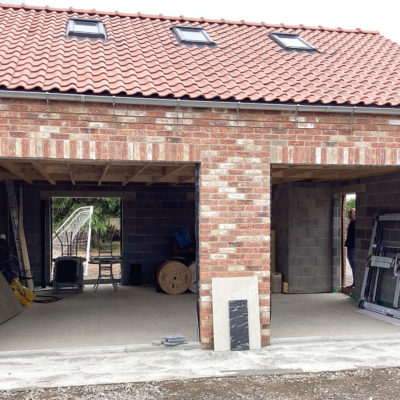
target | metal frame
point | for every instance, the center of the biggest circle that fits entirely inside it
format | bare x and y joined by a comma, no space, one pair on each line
101,31
178,33
278,36
377,262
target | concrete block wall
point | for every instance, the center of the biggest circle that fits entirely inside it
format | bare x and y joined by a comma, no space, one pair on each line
32,229
280,206
149,220
304,210
234,149
3,210
337,246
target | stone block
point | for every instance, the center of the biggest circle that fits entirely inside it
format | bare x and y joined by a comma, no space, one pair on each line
228,289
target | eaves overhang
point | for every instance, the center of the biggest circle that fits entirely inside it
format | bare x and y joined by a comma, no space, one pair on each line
189,103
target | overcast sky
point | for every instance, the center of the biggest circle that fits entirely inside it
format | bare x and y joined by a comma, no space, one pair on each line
381,15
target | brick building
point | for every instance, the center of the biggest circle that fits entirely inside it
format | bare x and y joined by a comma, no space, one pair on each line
234,128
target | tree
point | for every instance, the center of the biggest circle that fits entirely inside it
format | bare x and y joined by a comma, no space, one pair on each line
104,208
350,203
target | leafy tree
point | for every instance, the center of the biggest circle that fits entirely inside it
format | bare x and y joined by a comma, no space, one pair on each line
350,203
104,208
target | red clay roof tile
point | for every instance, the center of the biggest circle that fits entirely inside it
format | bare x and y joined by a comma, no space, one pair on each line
142,57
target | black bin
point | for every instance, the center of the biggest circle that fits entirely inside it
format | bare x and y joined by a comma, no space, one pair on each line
135,274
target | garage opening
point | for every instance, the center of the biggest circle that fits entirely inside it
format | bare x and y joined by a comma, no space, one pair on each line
308,220
157,202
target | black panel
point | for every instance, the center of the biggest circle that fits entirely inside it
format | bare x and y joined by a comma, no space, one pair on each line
239,325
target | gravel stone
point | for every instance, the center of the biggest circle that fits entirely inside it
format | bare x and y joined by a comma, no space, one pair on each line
362,384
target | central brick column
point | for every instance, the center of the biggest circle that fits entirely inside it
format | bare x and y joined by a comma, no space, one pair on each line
234,216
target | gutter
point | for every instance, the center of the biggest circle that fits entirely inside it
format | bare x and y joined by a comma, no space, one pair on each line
237,105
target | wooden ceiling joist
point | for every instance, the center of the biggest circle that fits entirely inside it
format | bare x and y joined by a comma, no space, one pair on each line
71,174
15,171
105,170
43,172
56,171
169,172
187,179
138,171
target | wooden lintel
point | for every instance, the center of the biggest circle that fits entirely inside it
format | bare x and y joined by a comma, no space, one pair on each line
71,174
42,172
137,172
346,189
328,173
106,167
9,167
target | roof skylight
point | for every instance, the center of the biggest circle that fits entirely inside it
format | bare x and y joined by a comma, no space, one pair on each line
86,28
192,35
291,41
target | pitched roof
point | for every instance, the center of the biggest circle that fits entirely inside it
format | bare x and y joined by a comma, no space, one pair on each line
143,58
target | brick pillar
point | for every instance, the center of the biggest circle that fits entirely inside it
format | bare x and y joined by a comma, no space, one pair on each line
234,223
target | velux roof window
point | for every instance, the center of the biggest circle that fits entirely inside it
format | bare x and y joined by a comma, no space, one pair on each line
291,41
192,35
86,28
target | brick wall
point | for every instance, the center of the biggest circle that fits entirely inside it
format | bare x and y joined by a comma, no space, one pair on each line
235,152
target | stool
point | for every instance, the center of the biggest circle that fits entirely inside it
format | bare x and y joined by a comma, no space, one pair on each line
105,271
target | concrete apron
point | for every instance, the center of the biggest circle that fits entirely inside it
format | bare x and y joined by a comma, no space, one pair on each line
121,364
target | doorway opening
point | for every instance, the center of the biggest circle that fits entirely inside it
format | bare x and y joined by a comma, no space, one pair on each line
348,204
87,228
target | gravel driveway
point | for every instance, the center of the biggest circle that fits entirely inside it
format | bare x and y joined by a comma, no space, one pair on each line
365,384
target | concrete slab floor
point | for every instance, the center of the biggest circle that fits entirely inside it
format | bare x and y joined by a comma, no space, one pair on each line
139,315
131,315
321,314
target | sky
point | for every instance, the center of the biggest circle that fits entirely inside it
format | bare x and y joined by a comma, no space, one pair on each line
382,15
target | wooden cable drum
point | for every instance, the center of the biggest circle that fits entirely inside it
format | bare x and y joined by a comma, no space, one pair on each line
193,280
173,277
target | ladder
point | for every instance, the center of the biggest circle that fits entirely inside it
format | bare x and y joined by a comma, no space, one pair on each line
13,207
382,257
